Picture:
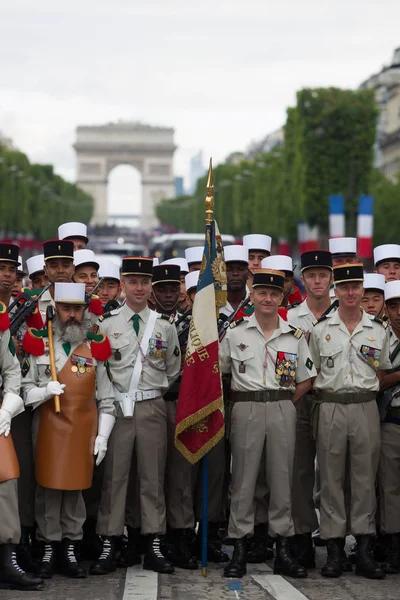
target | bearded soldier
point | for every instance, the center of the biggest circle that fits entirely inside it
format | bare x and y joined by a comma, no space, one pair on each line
67,442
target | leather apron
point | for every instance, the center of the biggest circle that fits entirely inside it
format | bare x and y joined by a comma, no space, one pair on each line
9,466
65,442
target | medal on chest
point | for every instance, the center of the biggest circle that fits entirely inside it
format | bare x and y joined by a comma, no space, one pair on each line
81,364
285,368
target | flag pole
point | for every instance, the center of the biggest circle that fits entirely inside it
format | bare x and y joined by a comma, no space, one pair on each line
209,202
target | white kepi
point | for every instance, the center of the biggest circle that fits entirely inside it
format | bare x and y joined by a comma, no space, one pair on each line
35,264
191,280
85,257
236,253
374,281
386,252
279,262
182,262
109,270
343,246
194,254
69,293
72,230
392,290
257,241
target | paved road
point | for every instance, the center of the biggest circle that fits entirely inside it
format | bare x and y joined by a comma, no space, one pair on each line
259,584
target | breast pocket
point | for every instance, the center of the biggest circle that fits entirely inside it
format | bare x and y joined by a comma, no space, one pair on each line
43,365
119,347
330,357
241,358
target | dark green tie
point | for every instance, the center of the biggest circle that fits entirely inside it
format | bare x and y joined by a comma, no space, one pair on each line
135,320
67,348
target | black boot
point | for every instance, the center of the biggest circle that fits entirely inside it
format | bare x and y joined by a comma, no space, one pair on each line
333,566
237,566
258,550
91,545
366,565
106,563
24,551
346,564
181,555
303,550
154,560
68,563
12,576
47,565
130,554
391,566
284,563
215,553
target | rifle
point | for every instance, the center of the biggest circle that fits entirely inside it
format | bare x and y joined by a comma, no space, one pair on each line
111,305
93,292
26,306
225,325
384,399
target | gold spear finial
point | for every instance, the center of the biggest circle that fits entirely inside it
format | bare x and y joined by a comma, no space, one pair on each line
210,198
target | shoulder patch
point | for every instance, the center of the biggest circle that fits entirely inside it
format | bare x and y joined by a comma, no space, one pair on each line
320,320
168,318
296,331
110,313
381,322
236,323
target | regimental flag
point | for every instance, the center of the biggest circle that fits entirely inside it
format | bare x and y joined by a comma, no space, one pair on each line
200,408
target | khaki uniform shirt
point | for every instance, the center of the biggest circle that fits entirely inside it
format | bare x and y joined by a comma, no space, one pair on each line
349,362
301,316
257,364
161,365
10,371
393,341
39,374
44,302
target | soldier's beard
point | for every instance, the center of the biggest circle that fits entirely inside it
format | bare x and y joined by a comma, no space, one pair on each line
72,332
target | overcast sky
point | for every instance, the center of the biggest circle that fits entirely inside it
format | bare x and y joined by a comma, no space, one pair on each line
221,73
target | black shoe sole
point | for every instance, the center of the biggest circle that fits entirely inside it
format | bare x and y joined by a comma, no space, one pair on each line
103,572
369,575
331,575
236,575
166,571
29,588
280,571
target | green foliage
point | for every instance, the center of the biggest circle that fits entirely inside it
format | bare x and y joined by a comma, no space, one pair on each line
386,209
34,200
328,149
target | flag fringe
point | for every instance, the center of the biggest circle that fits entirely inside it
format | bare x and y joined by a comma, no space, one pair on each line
192,420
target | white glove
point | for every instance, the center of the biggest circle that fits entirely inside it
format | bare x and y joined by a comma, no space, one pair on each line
5,422
37,396
12,405
106,424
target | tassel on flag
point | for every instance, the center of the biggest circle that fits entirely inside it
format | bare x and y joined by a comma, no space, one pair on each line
365,226
336,216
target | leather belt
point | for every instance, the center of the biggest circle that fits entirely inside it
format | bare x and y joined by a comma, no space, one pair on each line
260,396
352,398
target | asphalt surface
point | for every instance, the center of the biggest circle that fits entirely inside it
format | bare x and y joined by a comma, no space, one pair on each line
191,585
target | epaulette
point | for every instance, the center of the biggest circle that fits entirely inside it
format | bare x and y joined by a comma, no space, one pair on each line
33,342
169,318
236,323
296,331
4,317
381,322
99,345
293,305
110,313
320,320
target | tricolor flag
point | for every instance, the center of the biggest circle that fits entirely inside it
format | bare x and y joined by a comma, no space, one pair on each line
200,409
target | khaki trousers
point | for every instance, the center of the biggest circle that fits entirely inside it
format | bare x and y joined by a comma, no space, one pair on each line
132,508
10,529
147,431
178,479
303,509
389,478
21,430
348,431
261,495
59,514
258,427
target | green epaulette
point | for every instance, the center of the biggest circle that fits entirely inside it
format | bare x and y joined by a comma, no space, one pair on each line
110,313
169,318
381,322
236,323
296,331
41,333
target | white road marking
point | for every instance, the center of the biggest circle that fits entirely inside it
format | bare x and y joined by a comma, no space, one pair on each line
278,587
237,595
140,584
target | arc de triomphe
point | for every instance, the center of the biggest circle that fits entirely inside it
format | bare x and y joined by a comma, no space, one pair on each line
100,148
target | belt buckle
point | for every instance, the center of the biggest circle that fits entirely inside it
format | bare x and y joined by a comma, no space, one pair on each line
138,397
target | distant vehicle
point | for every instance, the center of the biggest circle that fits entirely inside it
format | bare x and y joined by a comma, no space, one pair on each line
117,258
174,244
124,249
